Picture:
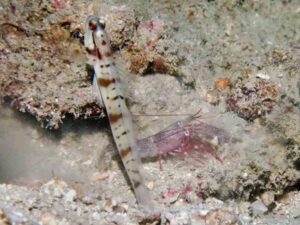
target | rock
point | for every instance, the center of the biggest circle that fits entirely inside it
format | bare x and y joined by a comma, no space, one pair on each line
55,188
221,216
263,76
70,195
96,216
212,97
49,219
88,200
268,198
3,219
259,207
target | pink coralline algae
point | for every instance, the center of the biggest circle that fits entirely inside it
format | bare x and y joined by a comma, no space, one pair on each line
151,29
251,100
57,4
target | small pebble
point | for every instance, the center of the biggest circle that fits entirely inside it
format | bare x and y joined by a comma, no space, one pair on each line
263,76
259,207
70,196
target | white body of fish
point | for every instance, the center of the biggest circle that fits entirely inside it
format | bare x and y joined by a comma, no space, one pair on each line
107,82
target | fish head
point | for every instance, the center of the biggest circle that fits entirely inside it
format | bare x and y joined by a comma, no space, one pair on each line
97,37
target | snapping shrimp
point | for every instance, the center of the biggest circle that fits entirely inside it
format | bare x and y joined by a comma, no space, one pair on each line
109,92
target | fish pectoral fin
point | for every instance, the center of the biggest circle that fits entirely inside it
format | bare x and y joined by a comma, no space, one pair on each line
97,92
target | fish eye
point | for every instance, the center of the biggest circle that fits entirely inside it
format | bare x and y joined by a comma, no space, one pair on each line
92,25
102,23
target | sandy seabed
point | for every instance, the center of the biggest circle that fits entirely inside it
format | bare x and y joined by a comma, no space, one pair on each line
236,61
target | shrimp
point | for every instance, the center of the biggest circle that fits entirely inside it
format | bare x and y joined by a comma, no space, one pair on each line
182,137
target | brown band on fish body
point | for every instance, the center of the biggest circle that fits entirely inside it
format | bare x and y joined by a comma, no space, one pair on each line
94,52
99,56
134,171
102,82
118,97
124,152
108,53
136,183
114,117
119,126
125,132
90,51
129,161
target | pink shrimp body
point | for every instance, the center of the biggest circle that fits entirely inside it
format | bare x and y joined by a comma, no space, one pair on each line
181,138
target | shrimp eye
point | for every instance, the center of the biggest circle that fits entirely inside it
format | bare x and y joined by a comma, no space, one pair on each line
92,25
